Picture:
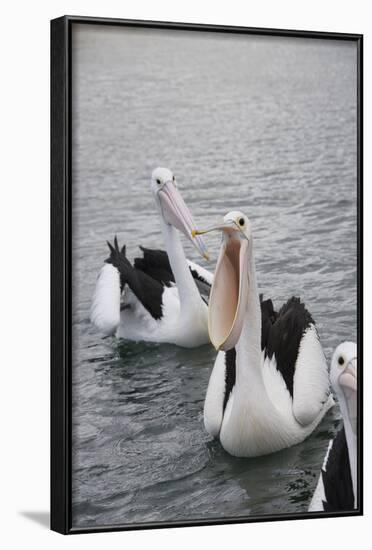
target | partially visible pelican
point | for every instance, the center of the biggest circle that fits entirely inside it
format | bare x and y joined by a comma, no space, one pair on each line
337,485
157,299
271,387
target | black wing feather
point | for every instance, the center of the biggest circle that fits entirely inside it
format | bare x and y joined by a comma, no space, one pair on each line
155,263
148,290
282,333
337,482
230,375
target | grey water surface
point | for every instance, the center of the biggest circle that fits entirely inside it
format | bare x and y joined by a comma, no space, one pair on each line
263,124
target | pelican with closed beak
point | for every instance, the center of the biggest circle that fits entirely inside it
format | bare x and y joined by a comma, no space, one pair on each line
160,297
337,488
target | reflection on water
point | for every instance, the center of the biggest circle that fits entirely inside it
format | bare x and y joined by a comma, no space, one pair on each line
266,125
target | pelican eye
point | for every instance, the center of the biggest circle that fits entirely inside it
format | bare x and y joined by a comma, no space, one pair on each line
241,222
174,178
341,360
158,181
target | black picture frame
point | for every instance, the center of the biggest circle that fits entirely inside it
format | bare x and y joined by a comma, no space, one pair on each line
61,360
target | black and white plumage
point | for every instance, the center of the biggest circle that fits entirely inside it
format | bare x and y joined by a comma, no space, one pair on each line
157,299
293,319
336,489
269,387
156,264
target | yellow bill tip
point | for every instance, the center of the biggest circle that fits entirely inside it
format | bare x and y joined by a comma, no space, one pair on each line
207,257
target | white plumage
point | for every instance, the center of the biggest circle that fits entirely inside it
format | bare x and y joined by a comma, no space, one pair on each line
311,378
213,404
186,330
105,309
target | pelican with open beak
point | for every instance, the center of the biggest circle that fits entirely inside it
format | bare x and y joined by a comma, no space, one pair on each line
158,299
229,294
337,488
269,387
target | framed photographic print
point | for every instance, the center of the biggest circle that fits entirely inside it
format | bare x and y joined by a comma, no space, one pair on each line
206,261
